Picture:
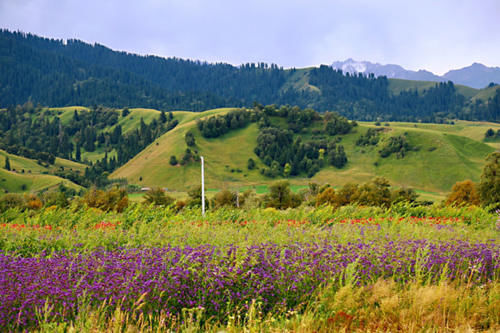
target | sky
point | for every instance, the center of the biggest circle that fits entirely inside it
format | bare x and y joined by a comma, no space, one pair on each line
437,35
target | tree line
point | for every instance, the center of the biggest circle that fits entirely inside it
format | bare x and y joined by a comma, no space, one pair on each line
38,133
77,73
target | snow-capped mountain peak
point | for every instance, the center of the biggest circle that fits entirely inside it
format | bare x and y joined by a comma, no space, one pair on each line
477,75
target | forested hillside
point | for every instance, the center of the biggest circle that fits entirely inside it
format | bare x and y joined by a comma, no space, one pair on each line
62,73
43,134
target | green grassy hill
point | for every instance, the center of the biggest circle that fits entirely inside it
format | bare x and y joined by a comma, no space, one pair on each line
27,175
398,85
486,93
446,154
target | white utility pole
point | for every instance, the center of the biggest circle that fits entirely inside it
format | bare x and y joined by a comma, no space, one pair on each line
202,187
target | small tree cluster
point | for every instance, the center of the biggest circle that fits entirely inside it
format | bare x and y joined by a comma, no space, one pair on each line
224,198
281,197
157,196
115,199
463,193
370,138
22,202
489,186
491,135
216,126
377,192
398,145
189,138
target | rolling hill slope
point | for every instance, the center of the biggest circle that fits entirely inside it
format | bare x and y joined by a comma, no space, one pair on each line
446,154
27,175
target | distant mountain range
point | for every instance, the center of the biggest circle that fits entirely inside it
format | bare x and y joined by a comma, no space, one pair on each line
476,75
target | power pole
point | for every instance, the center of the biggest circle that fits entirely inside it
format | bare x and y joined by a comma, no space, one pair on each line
202,187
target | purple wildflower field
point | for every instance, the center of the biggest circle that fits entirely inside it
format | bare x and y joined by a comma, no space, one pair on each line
221,279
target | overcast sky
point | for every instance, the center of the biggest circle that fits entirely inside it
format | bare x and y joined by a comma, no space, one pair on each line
436,35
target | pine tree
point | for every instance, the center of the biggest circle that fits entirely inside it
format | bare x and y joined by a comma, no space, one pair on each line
78,155
7,163
163,117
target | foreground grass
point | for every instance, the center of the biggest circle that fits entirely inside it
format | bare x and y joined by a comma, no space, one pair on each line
380,307
301,270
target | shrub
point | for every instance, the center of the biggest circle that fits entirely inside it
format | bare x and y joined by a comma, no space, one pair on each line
348,194
179,205
251,164
463,193
114,199
195,197
173,160
11,200
55,198
189,137
158,197
489,187
32,202
375,193
224,198
281,197
327,197
404,194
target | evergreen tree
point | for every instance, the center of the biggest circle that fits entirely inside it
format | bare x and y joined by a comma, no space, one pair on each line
489,187
163,117
78,154
7,163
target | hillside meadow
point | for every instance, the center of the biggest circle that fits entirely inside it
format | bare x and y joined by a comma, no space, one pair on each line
445,154
26,175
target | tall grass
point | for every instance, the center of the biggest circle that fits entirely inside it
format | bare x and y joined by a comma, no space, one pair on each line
302,270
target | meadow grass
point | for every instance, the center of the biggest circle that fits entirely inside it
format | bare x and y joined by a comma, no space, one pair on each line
432,281
445,154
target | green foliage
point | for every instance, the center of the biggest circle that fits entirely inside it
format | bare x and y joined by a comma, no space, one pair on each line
224,198
11,200
55,198
281,197
189,156
336,124
173,160
403,194
327,197
125,79
7,163
157,196
45,135
371,137
489,187
375,193
491,135
216,126
336,155
195,197
250,164
115,199
395,144
189,138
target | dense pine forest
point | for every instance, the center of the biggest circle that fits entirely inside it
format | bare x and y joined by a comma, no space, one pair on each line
62,73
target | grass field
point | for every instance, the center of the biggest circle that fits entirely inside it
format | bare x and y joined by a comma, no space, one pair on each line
153,269
446,154
398,85
28,175
15,182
